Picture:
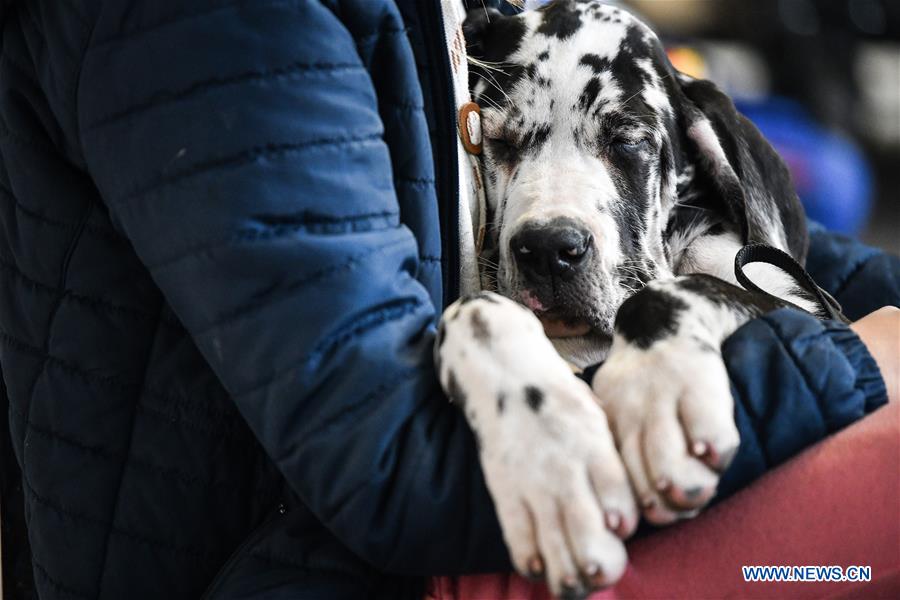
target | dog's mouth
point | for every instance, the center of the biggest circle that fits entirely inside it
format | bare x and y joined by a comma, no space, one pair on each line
557,322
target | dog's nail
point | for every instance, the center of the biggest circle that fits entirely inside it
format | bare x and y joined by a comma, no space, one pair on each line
693,493
699,448
613,520
594,576
571,588
535,567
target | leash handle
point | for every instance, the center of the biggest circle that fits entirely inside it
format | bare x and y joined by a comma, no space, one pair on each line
753,253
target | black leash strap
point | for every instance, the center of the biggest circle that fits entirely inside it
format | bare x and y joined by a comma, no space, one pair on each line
754,253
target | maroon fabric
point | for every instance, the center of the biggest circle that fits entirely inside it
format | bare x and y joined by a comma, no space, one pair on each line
838,503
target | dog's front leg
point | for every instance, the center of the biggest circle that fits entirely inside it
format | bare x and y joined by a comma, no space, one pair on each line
560,490
667,394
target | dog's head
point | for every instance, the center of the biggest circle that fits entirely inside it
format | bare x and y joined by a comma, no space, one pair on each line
594,148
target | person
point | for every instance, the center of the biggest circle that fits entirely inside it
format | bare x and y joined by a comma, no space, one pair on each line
228,233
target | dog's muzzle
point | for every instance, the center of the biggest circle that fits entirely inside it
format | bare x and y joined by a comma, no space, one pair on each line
559,249
550,256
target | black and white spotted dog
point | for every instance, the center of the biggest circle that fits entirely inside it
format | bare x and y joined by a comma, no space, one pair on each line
619,192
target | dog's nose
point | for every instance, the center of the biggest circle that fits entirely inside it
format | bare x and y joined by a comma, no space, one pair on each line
558,248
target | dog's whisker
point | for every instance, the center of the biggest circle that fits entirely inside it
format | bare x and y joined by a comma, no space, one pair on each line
493,81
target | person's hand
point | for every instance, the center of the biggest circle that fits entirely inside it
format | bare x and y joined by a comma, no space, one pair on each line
880,332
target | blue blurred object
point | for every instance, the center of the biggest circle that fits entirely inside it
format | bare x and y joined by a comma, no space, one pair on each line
830,173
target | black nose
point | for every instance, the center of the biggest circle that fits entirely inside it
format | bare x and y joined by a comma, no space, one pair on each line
558,248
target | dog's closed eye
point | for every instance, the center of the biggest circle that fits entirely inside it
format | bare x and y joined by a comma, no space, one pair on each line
631,147
503,149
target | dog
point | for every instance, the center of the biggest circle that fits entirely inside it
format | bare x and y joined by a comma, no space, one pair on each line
619,191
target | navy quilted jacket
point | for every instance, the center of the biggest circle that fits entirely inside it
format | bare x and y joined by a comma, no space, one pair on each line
227,230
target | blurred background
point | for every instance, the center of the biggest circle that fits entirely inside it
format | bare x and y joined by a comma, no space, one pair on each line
821,79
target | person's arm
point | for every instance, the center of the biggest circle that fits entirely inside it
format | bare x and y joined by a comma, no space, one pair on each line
860,277
880,332
795,379
245,163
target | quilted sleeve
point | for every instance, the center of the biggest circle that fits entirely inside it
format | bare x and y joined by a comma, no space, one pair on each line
245,162
860,277
795,379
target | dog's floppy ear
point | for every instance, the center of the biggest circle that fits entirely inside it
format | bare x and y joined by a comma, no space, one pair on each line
491,35
743,169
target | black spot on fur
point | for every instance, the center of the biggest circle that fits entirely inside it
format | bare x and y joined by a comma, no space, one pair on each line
534,398
533,75
704,345
596,62
479,296
589,94
501,403
441,334
480,330
543,55
454,391
560,20
535,137
649,316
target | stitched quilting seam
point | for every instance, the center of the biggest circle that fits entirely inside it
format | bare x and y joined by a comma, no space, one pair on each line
110,381
51,320
68,295
415,180
163,471
213,83
366,323
117,498
59,587
348,264
376,35
32,142
142,538
313,225
800,367
247,156
101,232
181,17
853,272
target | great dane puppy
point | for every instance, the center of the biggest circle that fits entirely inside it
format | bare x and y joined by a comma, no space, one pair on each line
619,191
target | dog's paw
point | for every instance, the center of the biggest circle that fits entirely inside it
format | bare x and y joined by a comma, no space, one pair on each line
561,492
671,412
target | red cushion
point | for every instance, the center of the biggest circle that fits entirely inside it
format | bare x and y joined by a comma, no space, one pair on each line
837,503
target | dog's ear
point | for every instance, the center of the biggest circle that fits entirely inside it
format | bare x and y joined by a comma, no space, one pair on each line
490,35
476,28
743,169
